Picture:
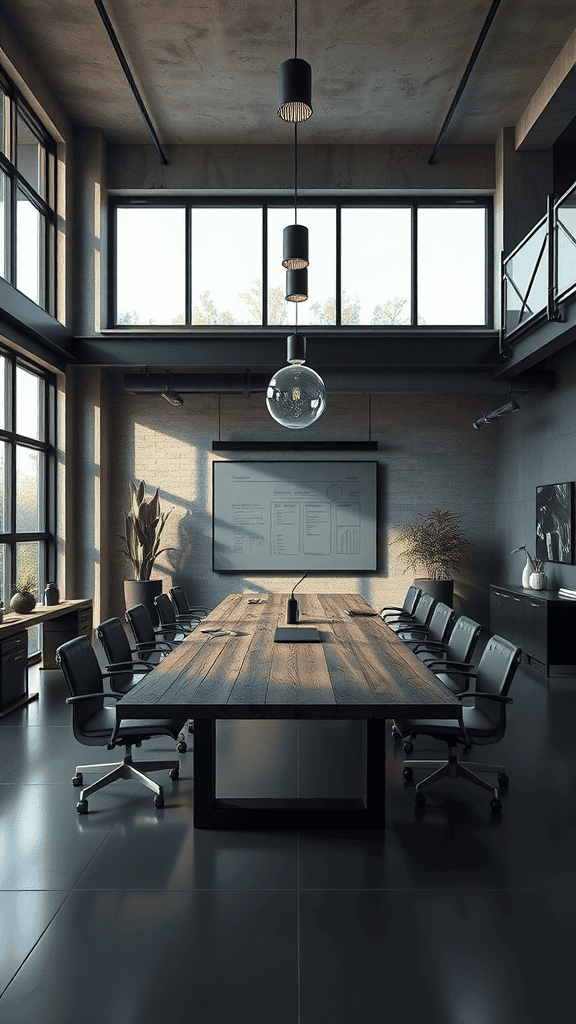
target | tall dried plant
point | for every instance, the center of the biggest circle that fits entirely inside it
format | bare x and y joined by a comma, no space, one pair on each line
144,524
435,547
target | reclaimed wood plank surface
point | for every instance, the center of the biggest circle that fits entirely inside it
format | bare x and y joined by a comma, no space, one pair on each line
360,669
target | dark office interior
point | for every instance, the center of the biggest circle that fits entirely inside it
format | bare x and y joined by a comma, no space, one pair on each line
145,182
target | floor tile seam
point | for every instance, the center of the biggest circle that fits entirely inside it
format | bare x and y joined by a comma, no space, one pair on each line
172,892
40,937
96,851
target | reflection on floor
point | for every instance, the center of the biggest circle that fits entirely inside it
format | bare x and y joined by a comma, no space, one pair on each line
129,916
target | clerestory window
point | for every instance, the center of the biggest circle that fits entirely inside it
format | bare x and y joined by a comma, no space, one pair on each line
27,200
218,263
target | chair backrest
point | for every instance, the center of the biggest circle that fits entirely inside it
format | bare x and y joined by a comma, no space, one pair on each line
463,640
495,672
441,621
141,624
424,608
112,636
165,609
180,600
82,673
411,599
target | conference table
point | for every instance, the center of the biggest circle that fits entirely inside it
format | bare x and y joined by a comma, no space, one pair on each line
234,665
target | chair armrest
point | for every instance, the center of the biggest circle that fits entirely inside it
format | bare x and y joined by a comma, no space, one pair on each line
489,696
456,666
418,628
90,696
156,645
391,608
129,666
434,646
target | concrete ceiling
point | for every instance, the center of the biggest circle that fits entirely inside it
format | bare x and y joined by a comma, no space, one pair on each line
384,71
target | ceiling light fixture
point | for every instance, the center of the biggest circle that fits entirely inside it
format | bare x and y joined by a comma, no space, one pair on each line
296,396
295,84
487,418
171,396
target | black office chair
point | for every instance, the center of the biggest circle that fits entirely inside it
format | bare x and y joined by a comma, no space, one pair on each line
95,724
441,621
421,617
147,639
447,659
482,723
119,655
183,609
408,606
167,616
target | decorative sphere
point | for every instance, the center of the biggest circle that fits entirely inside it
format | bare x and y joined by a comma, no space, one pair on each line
296,396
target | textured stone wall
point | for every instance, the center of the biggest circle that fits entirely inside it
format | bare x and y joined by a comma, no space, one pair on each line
428,456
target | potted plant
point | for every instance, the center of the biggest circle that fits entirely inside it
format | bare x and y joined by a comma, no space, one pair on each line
23,599
144,525
436,546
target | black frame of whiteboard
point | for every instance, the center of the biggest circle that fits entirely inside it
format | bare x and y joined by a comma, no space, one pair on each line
296,569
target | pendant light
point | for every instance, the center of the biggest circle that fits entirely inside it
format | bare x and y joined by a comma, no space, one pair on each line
295,84
296,396
295,236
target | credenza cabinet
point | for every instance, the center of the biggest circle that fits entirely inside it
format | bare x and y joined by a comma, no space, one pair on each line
539,621
13,669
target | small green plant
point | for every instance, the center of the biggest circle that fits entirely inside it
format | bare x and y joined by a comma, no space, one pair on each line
144,525
435,546
25,584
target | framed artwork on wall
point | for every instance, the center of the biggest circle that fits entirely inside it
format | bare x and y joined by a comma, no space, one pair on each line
554,522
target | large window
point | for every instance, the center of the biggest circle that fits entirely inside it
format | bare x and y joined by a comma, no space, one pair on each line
27,200
408,262
27,491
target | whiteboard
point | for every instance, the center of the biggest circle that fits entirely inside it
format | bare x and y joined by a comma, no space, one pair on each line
294,516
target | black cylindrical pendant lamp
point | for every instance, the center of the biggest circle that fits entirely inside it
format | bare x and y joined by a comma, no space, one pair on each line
296,285
295,90
296,348
295,247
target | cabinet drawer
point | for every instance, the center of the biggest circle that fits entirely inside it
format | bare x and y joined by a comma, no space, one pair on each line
85,621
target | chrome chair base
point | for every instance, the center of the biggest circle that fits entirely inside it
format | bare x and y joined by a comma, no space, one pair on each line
126,769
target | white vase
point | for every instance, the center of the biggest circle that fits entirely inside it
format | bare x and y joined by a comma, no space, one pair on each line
526,573
538,580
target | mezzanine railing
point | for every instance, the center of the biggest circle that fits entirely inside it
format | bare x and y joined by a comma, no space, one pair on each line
540,273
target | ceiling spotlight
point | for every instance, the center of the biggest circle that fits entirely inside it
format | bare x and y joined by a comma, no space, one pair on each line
173,397
495,413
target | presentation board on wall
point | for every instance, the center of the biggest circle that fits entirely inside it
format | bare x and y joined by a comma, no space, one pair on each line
294,516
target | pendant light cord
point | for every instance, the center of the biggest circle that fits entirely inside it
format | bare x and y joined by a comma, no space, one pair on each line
295,173
295,29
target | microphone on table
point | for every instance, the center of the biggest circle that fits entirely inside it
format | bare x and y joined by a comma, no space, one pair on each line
292,605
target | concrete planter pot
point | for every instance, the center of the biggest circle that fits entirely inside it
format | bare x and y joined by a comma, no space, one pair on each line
143,592
441,590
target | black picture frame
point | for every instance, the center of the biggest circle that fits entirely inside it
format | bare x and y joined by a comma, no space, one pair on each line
555,522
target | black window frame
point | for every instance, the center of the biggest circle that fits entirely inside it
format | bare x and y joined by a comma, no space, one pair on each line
11,537
45,204
190,201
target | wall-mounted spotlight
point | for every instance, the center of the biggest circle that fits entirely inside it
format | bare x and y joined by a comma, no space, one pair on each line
171,396
495,413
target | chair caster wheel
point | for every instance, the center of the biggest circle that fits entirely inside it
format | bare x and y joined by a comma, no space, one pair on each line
182,748
190,726
503,779
78,779
174,774
82,807
408,747
495,806
397,735
407,774
420,800
159,801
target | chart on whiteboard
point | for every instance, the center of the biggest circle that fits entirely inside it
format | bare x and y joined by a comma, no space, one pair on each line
294,515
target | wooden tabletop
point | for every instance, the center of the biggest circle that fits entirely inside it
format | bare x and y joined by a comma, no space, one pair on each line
359,670
13,623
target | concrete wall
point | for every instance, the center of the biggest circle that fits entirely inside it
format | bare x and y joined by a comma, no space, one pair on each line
429,456
535,446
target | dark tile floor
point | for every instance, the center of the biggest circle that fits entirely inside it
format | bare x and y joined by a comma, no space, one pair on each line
129,916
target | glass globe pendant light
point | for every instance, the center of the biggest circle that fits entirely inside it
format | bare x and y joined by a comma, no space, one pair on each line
296,396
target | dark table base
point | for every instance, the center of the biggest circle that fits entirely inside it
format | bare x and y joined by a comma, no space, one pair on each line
329,813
